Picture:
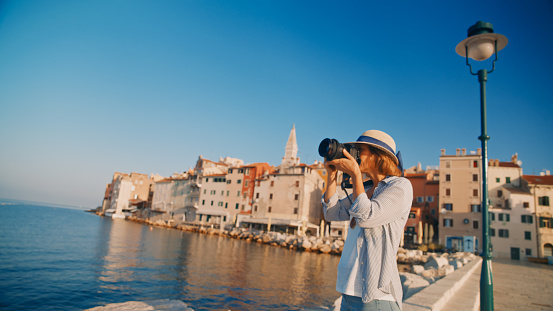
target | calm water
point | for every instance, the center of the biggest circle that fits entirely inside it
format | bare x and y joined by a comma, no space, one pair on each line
62,259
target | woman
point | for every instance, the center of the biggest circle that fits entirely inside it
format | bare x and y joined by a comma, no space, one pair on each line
368,277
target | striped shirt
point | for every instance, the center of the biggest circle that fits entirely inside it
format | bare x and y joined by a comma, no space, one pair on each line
382,219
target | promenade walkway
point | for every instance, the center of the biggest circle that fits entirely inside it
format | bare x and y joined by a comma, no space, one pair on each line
521,285
518,285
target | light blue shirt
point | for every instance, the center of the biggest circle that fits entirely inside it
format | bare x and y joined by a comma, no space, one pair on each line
381,220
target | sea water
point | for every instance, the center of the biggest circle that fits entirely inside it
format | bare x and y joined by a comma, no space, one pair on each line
54,258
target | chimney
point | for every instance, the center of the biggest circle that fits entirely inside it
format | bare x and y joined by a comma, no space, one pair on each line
547,173
514,158
496,162
458,151
464,151
491,162
479,151
443,152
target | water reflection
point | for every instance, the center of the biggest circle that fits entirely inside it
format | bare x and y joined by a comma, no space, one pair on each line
210,272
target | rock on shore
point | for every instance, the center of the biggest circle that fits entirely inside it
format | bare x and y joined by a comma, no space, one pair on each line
161,305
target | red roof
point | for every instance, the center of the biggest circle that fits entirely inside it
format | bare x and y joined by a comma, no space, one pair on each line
539,180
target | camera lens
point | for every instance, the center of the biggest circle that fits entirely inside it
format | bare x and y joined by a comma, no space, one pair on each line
330,149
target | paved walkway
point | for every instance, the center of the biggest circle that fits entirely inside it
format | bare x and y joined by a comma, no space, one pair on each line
517,285
521,285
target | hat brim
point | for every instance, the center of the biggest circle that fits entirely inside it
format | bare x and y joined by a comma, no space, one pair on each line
388,152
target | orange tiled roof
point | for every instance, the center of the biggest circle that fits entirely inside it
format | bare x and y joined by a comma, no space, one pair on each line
539,180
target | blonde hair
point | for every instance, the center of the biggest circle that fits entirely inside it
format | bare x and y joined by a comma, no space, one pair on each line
384,163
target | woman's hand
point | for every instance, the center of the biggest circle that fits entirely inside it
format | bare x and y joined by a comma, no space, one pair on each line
347,165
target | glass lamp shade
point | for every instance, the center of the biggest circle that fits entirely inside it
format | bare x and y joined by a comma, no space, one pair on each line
481,47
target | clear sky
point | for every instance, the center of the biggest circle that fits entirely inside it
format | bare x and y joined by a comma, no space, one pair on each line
88,88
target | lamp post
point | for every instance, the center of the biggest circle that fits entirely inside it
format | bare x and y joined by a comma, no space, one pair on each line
480,44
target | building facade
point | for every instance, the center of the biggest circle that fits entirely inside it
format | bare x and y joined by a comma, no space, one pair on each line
541,191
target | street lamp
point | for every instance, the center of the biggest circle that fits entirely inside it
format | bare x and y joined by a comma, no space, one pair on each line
480,44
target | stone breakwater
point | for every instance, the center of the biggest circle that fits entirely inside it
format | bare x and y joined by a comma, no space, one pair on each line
419,269
428,268
327,245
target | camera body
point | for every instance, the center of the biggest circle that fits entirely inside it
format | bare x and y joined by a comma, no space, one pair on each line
331,149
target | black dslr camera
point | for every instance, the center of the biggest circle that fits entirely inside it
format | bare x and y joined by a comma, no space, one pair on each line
331,149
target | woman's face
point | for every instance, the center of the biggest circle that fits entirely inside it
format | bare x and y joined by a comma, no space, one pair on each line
367,159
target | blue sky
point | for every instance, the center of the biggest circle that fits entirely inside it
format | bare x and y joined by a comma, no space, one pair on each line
88,88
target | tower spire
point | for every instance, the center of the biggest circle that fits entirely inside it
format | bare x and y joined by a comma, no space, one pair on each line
291,150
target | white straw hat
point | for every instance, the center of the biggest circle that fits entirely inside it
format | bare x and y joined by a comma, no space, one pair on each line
382,141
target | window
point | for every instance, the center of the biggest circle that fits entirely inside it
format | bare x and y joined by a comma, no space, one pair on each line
295,210
240,171
211,203
429,199
220,204
545,222
492,232
270,208
498,179
528,252
503,233
412,215
238,194
474,192
257,195
237,205
228,192
526,204
272,183
526,219
492,216
243,206
474,177
448,206
474,163
296,197
226,205
230,171
503,217
207,179
508,180
205,191
247,172
433,211
543,201
255,208
448,192
448,164
297,183
420,199
448,222
475,224
528,235
239,181
270,196
499,193
228,181
203,202
447,177
475,208
246,183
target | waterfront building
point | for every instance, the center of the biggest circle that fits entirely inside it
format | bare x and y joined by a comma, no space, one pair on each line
241,183
460,198
162,201
211,207
541,191
127,193
422,225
